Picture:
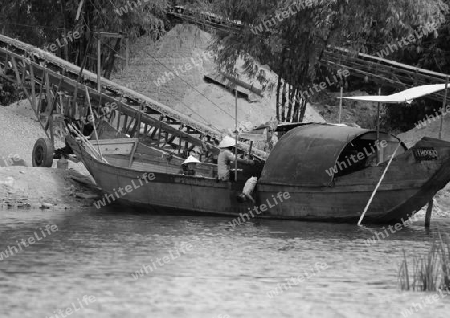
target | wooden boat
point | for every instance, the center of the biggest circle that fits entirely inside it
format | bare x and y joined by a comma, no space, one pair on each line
137,156
299,165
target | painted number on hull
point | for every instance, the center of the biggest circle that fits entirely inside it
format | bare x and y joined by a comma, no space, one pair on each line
425,153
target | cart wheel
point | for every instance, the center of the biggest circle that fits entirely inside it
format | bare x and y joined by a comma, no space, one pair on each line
43,153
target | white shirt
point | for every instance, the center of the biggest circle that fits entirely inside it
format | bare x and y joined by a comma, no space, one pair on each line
250,185
223,164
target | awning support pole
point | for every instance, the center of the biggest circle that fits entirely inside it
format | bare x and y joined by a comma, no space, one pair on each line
340,104
443,108
236,132
378,126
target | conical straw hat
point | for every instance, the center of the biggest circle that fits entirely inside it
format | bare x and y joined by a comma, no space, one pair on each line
191,159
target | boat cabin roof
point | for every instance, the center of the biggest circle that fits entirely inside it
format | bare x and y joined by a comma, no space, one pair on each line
303,156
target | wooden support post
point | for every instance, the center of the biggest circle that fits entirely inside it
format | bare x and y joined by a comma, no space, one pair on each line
127,52
428,213
378,127
93,121
47,91
340,104
6,63
119,117
133,151
236,132
124,127
129,126
50,125
41,90
19,80
443,108
33,91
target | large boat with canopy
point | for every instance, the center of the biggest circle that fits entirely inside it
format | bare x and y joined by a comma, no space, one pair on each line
134,151
328,170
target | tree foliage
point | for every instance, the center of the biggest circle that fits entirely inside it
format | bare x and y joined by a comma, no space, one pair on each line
45,22
294,45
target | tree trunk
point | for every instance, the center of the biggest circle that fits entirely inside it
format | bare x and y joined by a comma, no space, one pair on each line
109,63
66,47
302,110
296,107
278,98
291,103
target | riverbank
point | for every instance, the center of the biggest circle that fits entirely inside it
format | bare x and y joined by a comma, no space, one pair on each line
45,188
28,187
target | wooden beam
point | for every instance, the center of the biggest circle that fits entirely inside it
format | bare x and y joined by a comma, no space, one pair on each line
33,91
109,34
19,80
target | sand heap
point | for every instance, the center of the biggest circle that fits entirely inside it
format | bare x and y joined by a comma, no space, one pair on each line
36,187
184,52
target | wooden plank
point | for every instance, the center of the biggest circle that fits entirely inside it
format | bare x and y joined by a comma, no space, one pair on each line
124,127
118,148
132,153
109,34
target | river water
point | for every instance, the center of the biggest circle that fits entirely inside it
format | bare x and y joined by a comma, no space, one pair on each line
203,267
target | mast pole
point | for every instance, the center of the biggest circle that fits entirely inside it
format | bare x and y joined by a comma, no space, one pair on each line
99,62
236,134
443,108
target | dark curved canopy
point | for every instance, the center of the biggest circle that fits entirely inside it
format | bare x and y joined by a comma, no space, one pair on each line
303,155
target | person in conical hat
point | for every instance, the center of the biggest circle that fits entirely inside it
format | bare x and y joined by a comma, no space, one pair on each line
227,142
189,165
226,157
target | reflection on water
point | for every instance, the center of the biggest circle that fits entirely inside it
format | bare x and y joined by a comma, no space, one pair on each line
140,265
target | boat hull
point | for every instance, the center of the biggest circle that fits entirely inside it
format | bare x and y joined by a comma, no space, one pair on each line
400,195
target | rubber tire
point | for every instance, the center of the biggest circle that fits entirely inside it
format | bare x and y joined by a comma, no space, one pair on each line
43,153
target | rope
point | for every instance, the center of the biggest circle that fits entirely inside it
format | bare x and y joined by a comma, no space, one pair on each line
378,185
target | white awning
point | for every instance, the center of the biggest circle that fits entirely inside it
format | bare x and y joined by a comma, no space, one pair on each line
401,97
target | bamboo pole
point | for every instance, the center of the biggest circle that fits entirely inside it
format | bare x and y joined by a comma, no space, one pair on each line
378,185
99,63
340,104
378,126
443,108
236,132
86,141
93,120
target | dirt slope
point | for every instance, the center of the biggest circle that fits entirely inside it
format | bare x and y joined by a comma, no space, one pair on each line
183,52
32,187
